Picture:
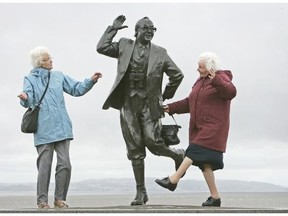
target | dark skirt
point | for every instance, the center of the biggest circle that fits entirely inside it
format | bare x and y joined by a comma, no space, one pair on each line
200,156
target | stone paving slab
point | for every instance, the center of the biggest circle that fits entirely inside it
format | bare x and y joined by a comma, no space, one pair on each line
148,209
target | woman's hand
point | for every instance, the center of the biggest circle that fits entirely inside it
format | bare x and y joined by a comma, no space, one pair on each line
212,74
166,108
23,96
96,76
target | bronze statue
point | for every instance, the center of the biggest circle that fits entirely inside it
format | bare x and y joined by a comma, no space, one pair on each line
137,94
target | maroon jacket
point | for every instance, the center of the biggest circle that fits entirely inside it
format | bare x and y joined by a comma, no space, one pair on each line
209,106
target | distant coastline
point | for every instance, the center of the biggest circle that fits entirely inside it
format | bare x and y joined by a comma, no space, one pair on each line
126,186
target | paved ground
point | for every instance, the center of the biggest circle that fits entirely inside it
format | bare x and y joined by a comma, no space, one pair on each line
149,209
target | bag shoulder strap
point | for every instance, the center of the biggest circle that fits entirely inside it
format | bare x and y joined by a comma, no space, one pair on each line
45,89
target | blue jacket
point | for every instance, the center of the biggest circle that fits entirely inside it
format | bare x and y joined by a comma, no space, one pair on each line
54,123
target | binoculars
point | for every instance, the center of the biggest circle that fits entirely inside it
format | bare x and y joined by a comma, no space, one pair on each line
136,80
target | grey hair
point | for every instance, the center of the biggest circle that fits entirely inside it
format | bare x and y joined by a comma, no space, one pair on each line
36,55
211,60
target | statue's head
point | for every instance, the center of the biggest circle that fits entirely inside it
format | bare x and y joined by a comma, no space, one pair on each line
144,30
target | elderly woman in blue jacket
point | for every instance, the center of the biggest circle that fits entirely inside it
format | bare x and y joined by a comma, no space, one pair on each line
54,125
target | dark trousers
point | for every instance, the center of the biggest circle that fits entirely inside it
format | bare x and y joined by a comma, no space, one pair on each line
138,130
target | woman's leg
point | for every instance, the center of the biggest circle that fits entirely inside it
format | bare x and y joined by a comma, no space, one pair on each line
44,163
63,170
187,162
170,183
210,180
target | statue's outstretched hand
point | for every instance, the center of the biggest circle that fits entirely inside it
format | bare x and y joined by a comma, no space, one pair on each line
118,22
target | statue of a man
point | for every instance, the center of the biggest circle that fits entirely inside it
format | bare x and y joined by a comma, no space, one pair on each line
137,94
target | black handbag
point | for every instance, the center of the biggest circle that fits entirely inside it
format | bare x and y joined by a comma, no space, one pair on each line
170,133
29,123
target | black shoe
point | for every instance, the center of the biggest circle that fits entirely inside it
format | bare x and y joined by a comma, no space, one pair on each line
140,199
212,202
180,159
165,182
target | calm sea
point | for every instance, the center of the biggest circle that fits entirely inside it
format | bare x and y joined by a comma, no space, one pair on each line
277,200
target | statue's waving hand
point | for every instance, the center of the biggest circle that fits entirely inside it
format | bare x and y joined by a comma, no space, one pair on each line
118,22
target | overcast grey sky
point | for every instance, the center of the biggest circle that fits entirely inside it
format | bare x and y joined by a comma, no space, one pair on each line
251,40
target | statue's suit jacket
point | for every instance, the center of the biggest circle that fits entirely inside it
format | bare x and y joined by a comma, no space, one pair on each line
159,62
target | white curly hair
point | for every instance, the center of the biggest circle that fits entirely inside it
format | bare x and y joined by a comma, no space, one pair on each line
36,55
211,60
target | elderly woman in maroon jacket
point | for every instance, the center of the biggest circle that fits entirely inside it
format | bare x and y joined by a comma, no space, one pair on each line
209,108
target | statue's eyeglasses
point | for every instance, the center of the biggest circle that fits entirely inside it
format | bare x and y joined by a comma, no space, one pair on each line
146,28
